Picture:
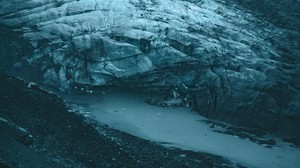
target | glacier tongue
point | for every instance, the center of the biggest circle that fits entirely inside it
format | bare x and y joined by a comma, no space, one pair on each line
93,40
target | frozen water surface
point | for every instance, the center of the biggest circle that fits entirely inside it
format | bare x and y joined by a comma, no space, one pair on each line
179,127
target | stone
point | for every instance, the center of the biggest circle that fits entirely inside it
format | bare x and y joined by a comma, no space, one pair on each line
16,132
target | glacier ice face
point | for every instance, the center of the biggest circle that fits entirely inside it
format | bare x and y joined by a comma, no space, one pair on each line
239,65
94,40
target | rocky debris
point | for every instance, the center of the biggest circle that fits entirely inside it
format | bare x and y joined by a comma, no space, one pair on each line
154,101
269,142
247,135
177,97
16,132
172,100
63,138
293,140
3,165
258,136
214,124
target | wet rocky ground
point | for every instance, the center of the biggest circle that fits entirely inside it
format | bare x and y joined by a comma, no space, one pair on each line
63,138
259,136
255,135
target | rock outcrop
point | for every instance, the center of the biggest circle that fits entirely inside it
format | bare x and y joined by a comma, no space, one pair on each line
242,69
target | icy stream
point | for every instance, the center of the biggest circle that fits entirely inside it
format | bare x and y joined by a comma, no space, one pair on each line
126,110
